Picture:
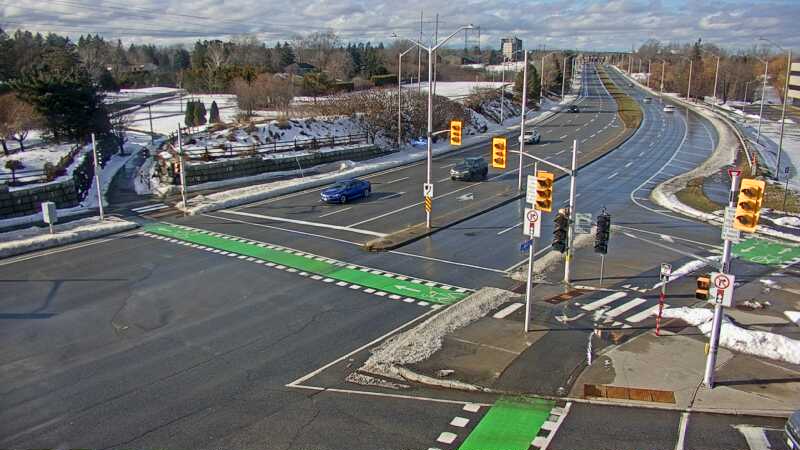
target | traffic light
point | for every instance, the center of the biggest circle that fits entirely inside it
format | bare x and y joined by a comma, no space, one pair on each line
499,153
544,191
701,293
602,234
561,223
455,132
748,207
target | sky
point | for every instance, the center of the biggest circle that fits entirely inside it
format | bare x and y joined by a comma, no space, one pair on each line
613,25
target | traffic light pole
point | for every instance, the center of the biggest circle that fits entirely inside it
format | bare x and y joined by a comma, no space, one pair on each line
531,251
711,361
571,229
522,121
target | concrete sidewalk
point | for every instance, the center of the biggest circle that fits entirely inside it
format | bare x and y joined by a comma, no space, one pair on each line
494,354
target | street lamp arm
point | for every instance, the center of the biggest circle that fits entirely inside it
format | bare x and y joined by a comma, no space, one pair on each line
409,49
543,161
465,27
414,41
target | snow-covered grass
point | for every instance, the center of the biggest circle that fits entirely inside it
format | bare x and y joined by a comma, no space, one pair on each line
738,339
169,114
130,94
686,269
39,238
459,89
35,156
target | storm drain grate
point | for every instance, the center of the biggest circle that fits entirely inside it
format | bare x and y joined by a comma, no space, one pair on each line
626,393
566,296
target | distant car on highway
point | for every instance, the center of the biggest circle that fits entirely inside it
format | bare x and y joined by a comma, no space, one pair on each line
474,168
419,142
647,100
532,136
573,109
792,429
346,190
669,109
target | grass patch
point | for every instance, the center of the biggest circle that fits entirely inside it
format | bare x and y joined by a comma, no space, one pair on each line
693,195
628,109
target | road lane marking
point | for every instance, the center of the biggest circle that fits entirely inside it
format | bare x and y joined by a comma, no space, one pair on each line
445,261
755,437
337,211
508,229
149,208
395,181
562,137
638,317
292,260
303,222
629,164
542,250
446,167
508,310
443,180
396,194
613,175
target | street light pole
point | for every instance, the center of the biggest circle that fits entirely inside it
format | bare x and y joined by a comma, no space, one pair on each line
649,66
783,115
661,92
563,77
429,133
763,91
716,78
502,89
399,95
689,90
522,120
571,229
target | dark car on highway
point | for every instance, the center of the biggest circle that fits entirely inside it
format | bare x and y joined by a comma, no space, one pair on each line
475,168
793,431
573,109
346,190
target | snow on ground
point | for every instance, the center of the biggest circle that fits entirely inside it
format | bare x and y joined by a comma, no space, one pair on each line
686,269
794,316
130,94
459,89
35,156
38,238
168,115
733,337
514,66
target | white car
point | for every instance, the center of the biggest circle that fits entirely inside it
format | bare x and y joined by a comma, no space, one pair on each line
669,108
647,100
532,136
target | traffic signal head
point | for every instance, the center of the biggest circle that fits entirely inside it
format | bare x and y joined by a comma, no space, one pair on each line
560,225
455,132
748,206
499,153
701,293
602,234
544,191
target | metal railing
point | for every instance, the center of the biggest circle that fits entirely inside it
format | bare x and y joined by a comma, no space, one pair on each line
230,150
34,176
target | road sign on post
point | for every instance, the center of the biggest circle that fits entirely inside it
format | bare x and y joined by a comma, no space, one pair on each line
427,190
728,231
721,289
530,192
666,272
583,223
532,225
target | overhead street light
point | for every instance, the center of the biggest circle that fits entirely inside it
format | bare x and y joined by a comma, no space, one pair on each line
763,91
399,94
431,51
785,100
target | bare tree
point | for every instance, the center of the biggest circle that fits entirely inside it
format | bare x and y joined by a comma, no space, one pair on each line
119,128
17,120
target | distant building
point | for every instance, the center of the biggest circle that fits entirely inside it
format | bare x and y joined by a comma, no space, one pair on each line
510,46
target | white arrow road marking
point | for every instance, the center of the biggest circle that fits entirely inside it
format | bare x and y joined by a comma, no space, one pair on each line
466,197
755,437
746,250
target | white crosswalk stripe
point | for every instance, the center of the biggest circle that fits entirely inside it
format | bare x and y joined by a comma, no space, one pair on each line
624,307
603,301
649,312
149,208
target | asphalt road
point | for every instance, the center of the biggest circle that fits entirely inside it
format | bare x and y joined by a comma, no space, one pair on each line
139,342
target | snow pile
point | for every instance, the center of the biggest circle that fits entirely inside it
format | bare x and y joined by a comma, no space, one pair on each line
685,269
425,339
458,89
788,221
733,337
794,316
37,153
36,238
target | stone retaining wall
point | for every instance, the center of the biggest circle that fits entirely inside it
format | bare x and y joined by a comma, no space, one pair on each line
22,202
244,167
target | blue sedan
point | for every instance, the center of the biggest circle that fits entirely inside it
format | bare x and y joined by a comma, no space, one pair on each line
346,190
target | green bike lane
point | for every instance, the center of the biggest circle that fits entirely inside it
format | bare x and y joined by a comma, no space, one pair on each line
768,253
379,282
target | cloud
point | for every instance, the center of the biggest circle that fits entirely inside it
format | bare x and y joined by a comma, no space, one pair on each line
587,24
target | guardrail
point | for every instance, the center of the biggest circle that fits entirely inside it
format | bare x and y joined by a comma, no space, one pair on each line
234,151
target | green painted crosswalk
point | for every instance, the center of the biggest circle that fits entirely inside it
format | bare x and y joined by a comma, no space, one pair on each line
510,424
766,252
378,281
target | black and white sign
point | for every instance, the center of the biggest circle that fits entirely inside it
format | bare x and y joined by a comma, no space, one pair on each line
530,193
721,289
728,231
427,190
532,223
583,223
666,271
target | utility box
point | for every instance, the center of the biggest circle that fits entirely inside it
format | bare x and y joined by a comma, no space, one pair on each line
49,214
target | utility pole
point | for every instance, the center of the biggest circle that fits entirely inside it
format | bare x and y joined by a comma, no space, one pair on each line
689,90
783,115
531,252
649,66
661,92
181,167
419,57
522,120
763,91
711,361
97,179
563,77
435,42
541,82
502,90
571,231
716,78
150,114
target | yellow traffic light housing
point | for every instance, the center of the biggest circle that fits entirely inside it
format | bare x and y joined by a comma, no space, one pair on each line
499,153
544,191
701,293
748,206
455,132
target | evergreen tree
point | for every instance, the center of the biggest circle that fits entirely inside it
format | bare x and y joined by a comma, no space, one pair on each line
287,55
534,85
199,114
214,114
188,117
106,82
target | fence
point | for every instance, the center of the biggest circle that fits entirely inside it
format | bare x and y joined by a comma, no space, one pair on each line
234,151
